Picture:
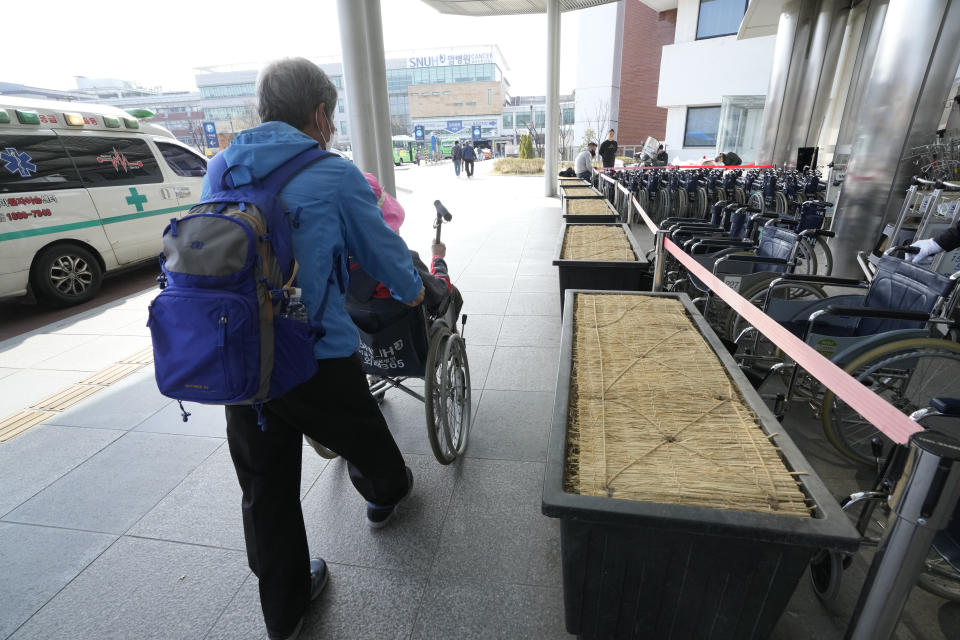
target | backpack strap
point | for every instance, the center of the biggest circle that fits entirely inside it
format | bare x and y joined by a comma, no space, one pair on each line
277,179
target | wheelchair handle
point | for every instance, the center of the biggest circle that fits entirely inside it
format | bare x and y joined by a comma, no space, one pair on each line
442,216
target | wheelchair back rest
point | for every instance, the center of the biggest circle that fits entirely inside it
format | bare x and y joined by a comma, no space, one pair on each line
739,223
716,212
810,218
777,243
902,286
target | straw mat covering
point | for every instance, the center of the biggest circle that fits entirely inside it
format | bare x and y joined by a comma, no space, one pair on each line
589,206
580,191
596,242
654,416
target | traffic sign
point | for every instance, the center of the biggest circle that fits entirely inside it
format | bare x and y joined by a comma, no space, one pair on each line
476,133
210,135
418,132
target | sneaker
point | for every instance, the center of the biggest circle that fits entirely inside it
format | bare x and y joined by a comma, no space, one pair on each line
318,580
377,516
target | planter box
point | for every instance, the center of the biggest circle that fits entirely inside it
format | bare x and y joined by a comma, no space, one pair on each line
571,208
645,569
606,274
579,191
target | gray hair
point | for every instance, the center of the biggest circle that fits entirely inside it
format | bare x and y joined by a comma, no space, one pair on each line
291,89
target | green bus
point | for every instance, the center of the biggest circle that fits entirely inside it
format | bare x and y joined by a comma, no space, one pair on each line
404,149
446,147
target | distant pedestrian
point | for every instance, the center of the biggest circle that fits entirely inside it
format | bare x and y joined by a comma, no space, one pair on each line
728,159
583,165
608,150
419,157
457,155
468,157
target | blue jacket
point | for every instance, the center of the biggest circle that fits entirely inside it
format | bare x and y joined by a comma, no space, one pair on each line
468,153
339,217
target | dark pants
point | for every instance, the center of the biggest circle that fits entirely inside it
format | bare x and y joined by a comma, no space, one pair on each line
584,175
456,166
334,408
468,165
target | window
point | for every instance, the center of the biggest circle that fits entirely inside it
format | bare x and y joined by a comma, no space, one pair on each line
702,124
414,94
523,119
228,90
508,121
343,127
540,118
340,106
436,93
40,164
112,162
720,17
489,96
568,115
183,162
446,93
471,104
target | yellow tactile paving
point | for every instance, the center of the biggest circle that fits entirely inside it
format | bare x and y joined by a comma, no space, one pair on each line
112,373
21,421
66,398
50,406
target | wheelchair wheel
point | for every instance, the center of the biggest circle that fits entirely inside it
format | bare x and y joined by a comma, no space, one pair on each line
939,578
907,373
824,257
826,574
806,258
447,396
740,196
755,201
783,207
663,205
320,449
702,203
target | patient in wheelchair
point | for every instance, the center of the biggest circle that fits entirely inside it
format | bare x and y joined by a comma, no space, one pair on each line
370,304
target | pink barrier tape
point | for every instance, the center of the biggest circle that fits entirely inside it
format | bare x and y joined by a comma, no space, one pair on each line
880,413
643,214
689,166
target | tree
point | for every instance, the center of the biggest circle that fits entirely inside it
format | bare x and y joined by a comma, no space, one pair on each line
526,147
588,136
566,138
598,121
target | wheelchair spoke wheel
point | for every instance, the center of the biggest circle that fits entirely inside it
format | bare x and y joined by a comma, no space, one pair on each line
782,206
907,373
806,258
824,256
756,202
456,395
702,203
434,398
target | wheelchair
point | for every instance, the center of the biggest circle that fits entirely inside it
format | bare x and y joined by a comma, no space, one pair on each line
731,253
941,571
418,345
893,335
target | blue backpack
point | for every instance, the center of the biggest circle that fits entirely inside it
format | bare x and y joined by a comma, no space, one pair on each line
220,329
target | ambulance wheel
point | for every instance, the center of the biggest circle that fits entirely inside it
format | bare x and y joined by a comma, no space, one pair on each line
65,274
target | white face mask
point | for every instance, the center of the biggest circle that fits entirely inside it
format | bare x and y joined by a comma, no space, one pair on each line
327,144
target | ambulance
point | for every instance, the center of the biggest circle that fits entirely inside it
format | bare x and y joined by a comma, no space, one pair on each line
84,190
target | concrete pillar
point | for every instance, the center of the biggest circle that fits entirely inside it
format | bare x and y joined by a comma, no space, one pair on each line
365,77
551,138
916,60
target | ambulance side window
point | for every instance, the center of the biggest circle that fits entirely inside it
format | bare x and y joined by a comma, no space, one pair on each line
113,162
35,163
183,162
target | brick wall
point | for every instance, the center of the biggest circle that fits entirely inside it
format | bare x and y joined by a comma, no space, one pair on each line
645,32
457,102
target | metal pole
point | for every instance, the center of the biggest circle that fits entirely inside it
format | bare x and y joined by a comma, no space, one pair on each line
352,17
552,134
381,103
923,503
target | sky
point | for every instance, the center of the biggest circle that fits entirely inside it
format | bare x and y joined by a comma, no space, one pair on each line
161,46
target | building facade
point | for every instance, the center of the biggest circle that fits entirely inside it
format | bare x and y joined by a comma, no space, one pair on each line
673,70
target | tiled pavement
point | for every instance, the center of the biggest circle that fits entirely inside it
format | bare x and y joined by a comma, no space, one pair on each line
119,520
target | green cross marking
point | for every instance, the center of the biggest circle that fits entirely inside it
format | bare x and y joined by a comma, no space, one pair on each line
136,199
